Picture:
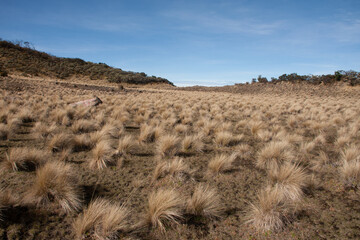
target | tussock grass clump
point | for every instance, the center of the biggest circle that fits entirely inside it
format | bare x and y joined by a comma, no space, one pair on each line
168,146
14,124
42,130
350,173
256,126
181,128
82,143
26,116
224,138
221,163
205,202
351,153
55,186
126,145
270,211
165,207
209,127
192,143
318,163
61,141
103,155
265,135
147,134
290,179
84,126
7,199
112,130
175,168
4,131
24,159
273,154
101,220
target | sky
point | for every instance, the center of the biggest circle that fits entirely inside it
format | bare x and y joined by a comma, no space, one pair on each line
196,42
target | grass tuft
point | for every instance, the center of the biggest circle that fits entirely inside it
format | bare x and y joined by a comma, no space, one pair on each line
55,186
205,202
165,207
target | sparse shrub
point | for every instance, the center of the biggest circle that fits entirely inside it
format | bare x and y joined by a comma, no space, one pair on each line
165,207
205,202
55,186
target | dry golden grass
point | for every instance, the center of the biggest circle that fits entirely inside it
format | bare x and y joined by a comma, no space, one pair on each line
319,132
192,144
290,180
55,186
269,212
273,155
256,126
205,202
24,159
168,146
147,134
350,153
223,139
82,142
103,155
126,145
165,207
4,131
175,168
350,173
101,220
84,126
7,199
181,128
221,163
61,141
42,130
26,116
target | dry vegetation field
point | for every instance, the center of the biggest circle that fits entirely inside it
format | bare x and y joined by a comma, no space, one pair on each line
178,164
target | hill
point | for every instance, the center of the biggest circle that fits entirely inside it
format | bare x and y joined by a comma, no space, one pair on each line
21,58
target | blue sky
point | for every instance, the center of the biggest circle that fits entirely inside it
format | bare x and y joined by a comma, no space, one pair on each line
194,42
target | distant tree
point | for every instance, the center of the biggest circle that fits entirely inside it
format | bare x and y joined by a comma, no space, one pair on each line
262,79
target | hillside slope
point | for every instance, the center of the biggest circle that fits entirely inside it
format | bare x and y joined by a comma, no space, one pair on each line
19,58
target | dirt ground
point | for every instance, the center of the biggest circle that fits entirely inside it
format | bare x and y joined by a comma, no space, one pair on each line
329,210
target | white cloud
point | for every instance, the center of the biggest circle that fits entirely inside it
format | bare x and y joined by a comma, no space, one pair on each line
211,22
